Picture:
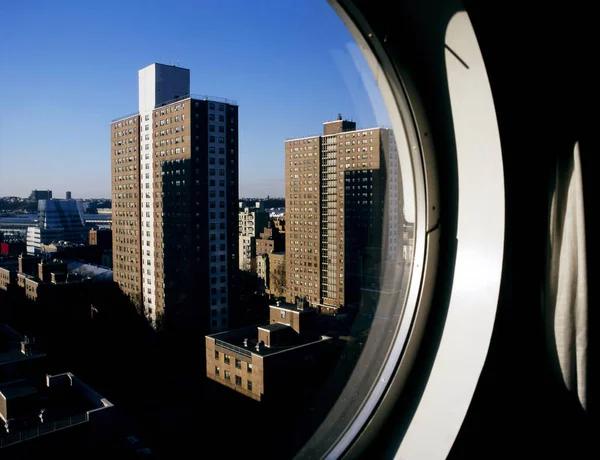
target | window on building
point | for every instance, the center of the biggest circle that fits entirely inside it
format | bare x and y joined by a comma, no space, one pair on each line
249,385
238,363
217,371
226,358
238,380
249,368
216,355
227,375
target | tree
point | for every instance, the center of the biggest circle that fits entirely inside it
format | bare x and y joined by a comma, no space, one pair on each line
278,281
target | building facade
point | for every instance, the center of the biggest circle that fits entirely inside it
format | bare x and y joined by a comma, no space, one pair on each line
270,240
175,192
251,222
343,212
40,195
263,362
58,220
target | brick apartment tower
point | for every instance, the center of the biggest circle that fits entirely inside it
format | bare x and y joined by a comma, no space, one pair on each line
343,213
175,202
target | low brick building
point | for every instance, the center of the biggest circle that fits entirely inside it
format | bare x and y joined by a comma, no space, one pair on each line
262,362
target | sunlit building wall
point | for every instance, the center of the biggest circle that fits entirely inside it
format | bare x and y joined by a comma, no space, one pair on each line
175,192
343,212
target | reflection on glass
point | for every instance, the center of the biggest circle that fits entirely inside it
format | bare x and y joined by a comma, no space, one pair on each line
202,307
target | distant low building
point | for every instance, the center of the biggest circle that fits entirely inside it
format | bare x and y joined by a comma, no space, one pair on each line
101,237
280,224
52,281
40,195
251,221
58,220
270,240
262,270
12,249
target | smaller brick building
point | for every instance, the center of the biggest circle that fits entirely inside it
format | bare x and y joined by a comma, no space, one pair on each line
262,362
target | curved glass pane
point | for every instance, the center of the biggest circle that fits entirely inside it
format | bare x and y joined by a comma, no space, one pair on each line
248,227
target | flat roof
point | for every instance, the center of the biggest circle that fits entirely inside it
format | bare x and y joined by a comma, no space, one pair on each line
18,390
87,269
234,340
274,327
16,355
8,335
10,346
293,307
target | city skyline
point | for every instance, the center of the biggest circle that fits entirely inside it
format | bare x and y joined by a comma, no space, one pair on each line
87,81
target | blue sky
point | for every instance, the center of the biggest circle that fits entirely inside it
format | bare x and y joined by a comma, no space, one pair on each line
70,67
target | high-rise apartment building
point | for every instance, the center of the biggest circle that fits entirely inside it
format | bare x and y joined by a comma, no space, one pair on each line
343,212
175,195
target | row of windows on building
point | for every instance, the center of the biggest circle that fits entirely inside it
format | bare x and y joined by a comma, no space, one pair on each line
131,158
127,268
166,121
166,132
129,122
131,186
124,151
164,142
126,240
123,133
238,362
131,140
119,169
125,231
169,109
126,249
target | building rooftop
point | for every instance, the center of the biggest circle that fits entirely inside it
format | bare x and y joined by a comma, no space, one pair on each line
9,264
59,403
85,270
199,97
292,306
15,347
274,327
17,390
245,340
